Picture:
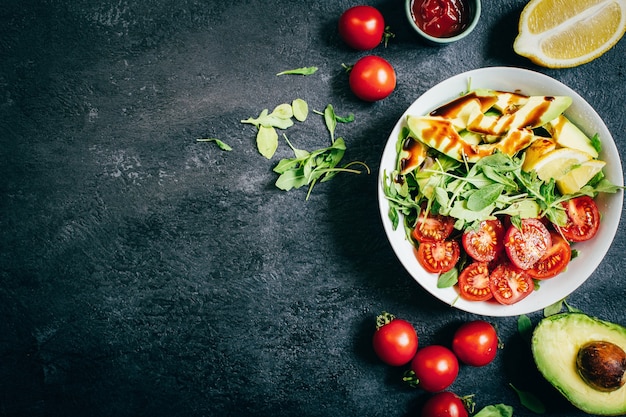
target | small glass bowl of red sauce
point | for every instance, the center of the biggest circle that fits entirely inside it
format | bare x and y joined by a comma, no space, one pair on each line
443,21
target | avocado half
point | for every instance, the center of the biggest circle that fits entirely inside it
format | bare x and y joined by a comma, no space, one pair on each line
556,343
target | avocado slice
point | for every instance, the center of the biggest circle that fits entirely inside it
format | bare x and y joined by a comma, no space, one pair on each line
564,345
536,111
439,133
567,134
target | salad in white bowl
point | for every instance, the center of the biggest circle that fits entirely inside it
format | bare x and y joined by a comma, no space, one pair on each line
500,190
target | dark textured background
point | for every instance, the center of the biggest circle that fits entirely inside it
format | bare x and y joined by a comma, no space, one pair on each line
145,274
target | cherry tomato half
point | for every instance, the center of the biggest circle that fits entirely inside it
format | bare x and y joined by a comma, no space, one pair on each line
444,404
440,256
432,227
395,342
475,343
362,27
554,261
510,284
527,245
436,367
372,78
474,282
583,219
486,242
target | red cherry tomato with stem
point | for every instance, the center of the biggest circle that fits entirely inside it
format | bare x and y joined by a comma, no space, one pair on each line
435,367
362,27
444,404
583,219
395,340
475,343
372,78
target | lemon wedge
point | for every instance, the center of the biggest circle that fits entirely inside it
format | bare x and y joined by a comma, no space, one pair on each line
557,163
576,178
568,33
536,151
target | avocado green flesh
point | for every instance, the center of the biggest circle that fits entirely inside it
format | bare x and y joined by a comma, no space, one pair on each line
465,129
555,344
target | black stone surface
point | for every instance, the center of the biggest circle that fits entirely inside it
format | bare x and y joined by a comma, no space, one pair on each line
143,273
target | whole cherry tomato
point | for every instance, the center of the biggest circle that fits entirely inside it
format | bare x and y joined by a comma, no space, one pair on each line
475,343
435,367
362,27
372,78
444,404
395,340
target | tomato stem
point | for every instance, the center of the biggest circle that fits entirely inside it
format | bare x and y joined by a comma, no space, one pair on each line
468,402
384,318
410,379
387,34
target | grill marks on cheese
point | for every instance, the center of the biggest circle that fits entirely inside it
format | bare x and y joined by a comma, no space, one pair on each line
509,130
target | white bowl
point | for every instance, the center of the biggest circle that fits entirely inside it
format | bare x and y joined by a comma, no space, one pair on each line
591,252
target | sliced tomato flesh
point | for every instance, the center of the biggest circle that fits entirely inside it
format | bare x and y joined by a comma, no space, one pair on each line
510,284
432,227
474,282
583,219
526,245
554,261
440,256
484,243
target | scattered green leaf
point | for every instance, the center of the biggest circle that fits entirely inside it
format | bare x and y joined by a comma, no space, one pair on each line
448,279
308,168
524,326
497,410
267,141
300,109
530,400
553,309
299,71
220,144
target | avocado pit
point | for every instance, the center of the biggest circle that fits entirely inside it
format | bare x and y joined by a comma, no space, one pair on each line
602,365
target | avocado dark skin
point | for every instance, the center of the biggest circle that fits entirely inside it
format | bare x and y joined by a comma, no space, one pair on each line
602,365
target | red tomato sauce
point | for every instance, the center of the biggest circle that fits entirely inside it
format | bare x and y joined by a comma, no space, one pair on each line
441,18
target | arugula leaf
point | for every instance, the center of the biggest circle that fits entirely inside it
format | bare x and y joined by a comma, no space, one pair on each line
553,309
524,326
530,400
308,168
299,71
497,410
220,144
267,141
300,109
448,279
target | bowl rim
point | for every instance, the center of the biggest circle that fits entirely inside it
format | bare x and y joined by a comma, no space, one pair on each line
591,253
476,8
